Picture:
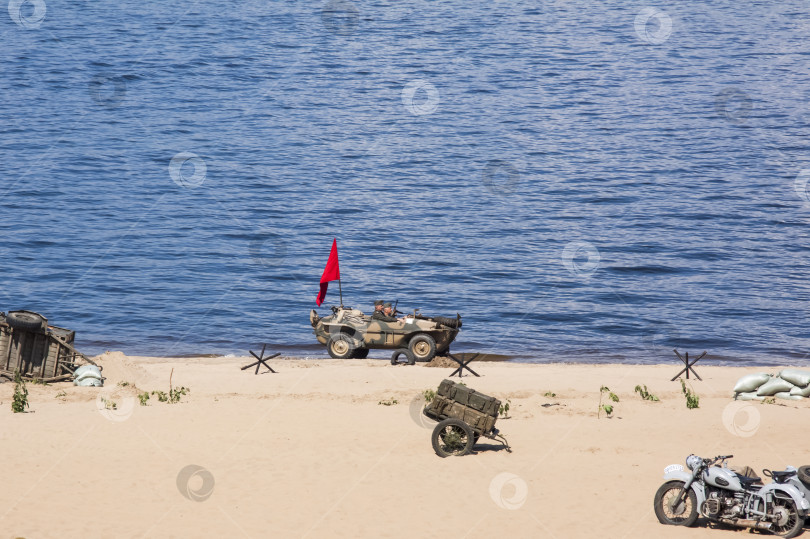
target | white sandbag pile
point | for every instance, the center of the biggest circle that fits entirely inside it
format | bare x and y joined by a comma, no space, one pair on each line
88,376
790,384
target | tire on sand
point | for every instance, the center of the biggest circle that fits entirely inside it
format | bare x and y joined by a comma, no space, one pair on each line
341,345
422,347
684,514
360,353
402,351
452,437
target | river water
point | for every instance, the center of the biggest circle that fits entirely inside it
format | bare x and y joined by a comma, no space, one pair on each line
582,181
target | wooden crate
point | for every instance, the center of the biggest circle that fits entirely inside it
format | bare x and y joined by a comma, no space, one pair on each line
38,355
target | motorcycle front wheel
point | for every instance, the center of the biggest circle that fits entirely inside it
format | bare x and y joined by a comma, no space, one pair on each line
788,523
684,513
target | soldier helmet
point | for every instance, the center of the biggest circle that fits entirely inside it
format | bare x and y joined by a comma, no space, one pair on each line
378,302
387,304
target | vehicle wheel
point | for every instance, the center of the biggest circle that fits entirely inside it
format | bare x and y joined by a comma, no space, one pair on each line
408,356
804,475
360,353
423,347
26,321
684,514
341,345
452,437
788,524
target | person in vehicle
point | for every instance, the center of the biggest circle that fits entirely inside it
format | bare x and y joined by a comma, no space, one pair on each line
378,306
385,315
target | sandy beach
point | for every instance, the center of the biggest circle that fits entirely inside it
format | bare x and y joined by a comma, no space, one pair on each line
315,451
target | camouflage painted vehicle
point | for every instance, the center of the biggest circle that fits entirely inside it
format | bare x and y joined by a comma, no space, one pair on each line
349,333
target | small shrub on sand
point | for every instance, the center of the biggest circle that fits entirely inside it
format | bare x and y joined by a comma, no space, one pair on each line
692,399
608,408
172,397
19,401
503,410
109,404
646,395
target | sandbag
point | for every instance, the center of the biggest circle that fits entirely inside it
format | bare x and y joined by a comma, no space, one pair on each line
774,386
801,391
87,376
795,377
85,369
787,396
89,381
750,382
749,396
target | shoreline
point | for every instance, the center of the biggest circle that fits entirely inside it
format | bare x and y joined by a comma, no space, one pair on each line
320,354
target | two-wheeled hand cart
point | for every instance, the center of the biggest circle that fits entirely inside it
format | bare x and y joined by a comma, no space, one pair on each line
464,415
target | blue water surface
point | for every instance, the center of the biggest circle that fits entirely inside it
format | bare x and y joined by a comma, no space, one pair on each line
582,181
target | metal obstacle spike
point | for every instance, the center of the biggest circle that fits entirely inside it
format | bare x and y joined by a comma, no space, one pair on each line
261,360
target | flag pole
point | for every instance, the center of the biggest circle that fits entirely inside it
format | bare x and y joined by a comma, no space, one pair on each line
340,289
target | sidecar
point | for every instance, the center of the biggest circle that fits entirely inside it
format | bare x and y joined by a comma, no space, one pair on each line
464,415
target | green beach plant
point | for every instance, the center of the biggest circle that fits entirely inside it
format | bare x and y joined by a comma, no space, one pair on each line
608,408
503,409
109,404
549,394
389,402
646,395
692,399
177,392
429,395
19,401
172,397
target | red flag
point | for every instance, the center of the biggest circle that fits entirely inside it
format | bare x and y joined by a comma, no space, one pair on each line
330,273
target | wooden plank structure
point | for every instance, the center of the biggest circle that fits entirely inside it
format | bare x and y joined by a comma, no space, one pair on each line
46,355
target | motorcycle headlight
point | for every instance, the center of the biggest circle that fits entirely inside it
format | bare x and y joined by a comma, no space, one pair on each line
693,461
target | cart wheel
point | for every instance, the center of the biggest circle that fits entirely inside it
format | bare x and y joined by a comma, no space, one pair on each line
452,437
25,321
402,351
